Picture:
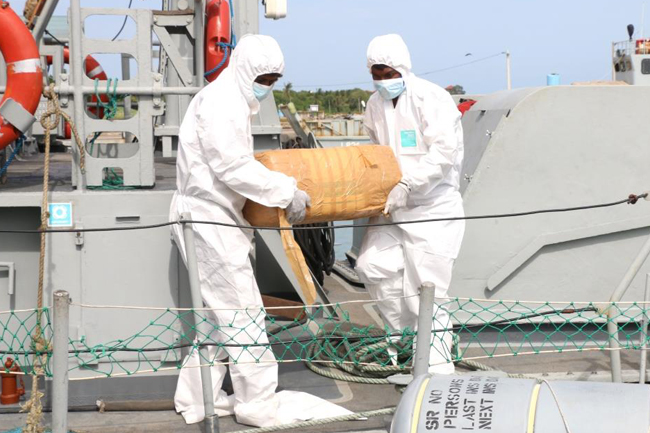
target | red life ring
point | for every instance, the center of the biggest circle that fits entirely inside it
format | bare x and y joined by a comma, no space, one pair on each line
24,75
93,70
217,30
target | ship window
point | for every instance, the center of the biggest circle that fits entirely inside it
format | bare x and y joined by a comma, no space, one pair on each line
645,66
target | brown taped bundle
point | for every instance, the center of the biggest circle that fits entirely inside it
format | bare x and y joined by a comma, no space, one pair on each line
344,183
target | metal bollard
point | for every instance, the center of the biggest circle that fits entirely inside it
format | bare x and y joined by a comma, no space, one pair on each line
425,324
211,422
60,362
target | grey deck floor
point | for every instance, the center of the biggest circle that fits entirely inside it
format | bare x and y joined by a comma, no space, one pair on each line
27,175
356,397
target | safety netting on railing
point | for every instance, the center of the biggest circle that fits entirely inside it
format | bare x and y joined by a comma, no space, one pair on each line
323,336
18,338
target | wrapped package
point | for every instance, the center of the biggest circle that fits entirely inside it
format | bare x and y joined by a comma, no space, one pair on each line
344,183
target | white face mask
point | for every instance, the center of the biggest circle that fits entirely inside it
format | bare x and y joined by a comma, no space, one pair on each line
261,91
390,89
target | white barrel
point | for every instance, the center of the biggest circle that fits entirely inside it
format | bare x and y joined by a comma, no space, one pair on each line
504,405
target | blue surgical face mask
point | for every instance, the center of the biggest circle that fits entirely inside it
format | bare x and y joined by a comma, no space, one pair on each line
390,89
261,91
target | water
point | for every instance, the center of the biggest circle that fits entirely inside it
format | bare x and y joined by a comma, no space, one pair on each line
342,240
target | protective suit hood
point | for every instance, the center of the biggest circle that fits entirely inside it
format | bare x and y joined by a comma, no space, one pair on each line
255,55
390,50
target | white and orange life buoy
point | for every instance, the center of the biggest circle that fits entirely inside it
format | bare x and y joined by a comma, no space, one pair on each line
93,70
24,74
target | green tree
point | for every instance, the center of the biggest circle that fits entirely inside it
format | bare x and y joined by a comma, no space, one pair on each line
330,101
456,89
287,90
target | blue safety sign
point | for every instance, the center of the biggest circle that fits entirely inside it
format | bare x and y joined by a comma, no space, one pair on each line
60,215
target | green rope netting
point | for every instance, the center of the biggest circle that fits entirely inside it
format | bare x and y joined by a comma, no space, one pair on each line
16,332
111,179
327,337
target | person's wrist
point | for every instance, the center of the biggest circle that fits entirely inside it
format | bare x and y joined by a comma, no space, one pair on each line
405,185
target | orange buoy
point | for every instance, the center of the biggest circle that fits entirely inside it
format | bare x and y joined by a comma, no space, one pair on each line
217,37
24,75
93,70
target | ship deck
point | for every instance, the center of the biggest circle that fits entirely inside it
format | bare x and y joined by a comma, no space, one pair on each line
590,366
25,176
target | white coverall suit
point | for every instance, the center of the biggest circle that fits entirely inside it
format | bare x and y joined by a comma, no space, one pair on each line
425,132
216,173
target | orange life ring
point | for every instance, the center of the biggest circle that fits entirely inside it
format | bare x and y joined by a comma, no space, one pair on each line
93,70
217,37
24,74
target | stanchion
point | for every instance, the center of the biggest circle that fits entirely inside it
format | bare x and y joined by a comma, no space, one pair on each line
60,362
425,324
211,422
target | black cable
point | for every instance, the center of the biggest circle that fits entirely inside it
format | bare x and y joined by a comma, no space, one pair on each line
459,65
278,342
464,218
100,229
318,248
124,23
55,38
316,240
632,199
448,68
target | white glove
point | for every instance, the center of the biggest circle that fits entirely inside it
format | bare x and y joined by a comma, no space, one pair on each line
397,198
297,209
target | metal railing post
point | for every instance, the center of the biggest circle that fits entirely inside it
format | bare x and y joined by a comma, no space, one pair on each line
508,71
211,422
613,64
612,326
76,66
644,332
199,60
43,20
60,341
425,324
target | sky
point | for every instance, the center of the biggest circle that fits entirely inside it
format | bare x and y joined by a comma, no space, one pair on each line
325,41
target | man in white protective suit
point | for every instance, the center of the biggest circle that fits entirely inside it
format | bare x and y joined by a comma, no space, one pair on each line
420,122
216,173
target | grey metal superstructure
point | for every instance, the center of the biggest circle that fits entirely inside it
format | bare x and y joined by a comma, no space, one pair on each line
553,147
